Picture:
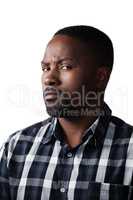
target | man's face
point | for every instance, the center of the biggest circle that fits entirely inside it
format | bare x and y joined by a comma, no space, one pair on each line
68,72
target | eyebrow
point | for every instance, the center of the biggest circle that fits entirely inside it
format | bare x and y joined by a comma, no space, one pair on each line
66,58
59,61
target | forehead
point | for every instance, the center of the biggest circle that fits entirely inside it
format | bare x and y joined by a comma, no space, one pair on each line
64,46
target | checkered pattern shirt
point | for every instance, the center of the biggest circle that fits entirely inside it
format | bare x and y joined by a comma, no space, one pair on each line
37,164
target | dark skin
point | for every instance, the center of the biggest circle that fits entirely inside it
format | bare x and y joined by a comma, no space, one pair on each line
67,65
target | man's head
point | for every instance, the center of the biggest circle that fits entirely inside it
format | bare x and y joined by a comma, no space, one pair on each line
76,67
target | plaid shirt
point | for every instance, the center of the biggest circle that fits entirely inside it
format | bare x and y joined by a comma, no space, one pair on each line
37,164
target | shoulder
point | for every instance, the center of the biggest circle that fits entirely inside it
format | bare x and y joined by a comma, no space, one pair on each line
25,135
122,128
30,130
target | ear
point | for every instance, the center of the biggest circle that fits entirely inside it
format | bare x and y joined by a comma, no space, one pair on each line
102,77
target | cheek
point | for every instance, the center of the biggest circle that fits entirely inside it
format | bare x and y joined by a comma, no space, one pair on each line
42,78
72,81
42,81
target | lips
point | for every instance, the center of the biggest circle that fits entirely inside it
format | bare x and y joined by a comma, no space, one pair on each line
50,94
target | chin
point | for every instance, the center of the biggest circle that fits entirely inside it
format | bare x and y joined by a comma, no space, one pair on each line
64,112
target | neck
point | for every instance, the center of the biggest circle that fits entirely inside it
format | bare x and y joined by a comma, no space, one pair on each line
76,124
74,128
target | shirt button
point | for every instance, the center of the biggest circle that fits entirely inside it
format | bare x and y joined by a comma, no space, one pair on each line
69,155
62,189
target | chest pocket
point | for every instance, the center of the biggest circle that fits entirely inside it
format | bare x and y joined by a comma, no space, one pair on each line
107,191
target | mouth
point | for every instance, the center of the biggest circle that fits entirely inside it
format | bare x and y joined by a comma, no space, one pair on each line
50,96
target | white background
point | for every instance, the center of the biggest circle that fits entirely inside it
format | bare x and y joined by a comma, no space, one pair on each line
25,28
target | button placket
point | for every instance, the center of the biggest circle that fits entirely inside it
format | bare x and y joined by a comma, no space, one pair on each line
62,190
69,155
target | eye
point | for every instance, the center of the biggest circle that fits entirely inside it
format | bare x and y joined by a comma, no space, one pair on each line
65,67
44,67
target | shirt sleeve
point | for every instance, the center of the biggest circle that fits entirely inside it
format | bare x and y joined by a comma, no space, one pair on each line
4,174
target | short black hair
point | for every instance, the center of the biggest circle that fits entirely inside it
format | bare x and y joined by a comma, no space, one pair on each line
102,44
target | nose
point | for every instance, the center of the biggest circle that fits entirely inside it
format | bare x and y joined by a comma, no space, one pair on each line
51,78
49,81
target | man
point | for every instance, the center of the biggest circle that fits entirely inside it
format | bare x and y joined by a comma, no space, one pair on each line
81,152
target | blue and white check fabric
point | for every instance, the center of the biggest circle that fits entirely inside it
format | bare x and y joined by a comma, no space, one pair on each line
37,164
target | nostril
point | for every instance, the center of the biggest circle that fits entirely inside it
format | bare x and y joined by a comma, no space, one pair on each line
52,83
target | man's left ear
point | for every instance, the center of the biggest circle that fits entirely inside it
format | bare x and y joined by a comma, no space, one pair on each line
102,77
